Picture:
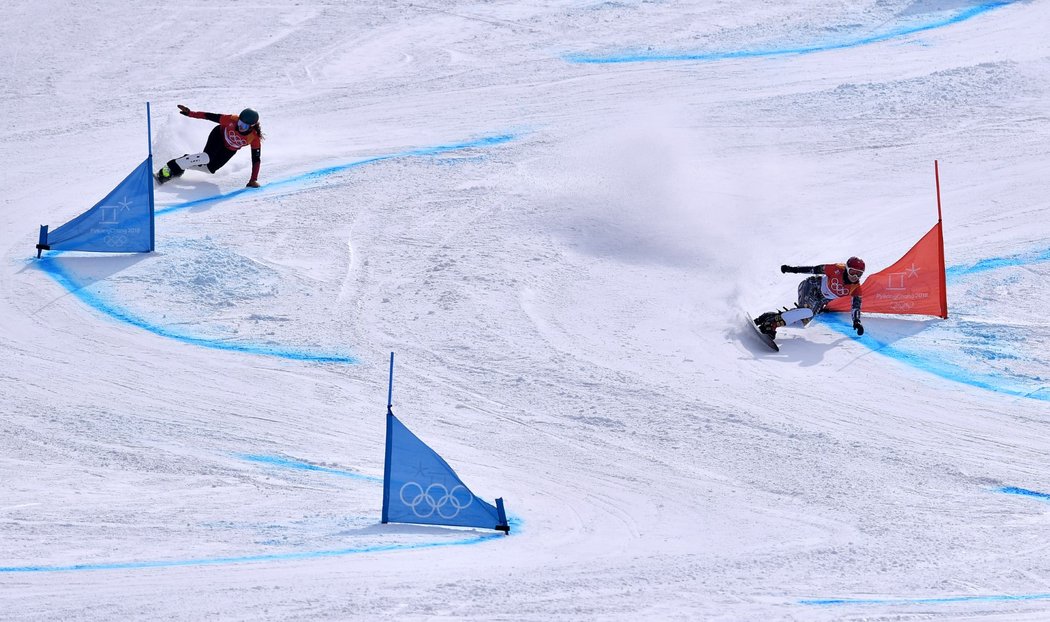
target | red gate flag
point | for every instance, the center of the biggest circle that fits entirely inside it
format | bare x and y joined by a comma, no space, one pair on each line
915,285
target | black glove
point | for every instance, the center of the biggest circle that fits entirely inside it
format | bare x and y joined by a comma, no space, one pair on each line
784,269
183,110
857,326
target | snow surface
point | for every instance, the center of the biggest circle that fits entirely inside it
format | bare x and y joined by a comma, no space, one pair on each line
556,214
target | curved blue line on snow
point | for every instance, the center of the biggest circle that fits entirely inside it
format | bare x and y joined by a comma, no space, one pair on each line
516,523
1024,492
288,463
929,362
955,273
1037,388
487,141
51,267
299,465
269,557
924,601
643,57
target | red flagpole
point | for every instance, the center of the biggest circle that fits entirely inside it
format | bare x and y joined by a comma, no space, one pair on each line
937,179
940,227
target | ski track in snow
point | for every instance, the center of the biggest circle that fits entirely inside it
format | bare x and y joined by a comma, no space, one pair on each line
288,463
943,600
278,462
246,559
319,174
896,33
947,600
52,266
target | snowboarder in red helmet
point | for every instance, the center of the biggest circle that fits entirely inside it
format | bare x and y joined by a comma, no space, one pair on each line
830,281
232,132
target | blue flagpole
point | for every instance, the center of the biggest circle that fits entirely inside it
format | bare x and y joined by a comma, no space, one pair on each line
149,158
390,386
389,442
149,132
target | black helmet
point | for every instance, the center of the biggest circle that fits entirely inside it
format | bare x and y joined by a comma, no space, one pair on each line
249,116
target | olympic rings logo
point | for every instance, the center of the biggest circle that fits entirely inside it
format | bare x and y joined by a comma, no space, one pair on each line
836,286
436,498
115,239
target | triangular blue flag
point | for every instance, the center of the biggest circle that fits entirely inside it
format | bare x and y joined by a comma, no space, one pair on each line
420,487
120,223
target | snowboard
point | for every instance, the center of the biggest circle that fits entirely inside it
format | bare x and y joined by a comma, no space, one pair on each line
764,338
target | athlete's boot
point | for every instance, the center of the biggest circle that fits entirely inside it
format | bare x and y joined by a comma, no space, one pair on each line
169,171
768,323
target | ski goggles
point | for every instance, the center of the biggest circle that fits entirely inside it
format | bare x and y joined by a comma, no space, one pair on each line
242,126
854,273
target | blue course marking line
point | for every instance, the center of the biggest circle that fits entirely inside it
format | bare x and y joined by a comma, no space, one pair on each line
924,601
644,57
277,461
1024,492
50,266
929,361
487,141
299,465
289,463
269,557
957,273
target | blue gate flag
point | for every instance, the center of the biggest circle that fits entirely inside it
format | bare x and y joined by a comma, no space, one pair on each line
420,487
122,222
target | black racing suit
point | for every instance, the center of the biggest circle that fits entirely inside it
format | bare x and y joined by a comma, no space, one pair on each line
218,153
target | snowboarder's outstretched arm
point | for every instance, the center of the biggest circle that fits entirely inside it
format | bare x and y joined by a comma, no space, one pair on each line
802,269
211,116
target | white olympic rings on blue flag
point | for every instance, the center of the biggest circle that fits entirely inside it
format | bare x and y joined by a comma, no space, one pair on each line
435,498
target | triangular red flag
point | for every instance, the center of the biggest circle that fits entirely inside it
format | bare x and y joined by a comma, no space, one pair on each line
915,285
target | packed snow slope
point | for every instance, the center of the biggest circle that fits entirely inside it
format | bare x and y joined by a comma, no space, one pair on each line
556,215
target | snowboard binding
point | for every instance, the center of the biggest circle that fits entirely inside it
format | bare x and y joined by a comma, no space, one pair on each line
769,322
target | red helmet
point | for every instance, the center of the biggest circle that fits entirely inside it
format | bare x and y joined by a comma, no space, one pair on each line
855,267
